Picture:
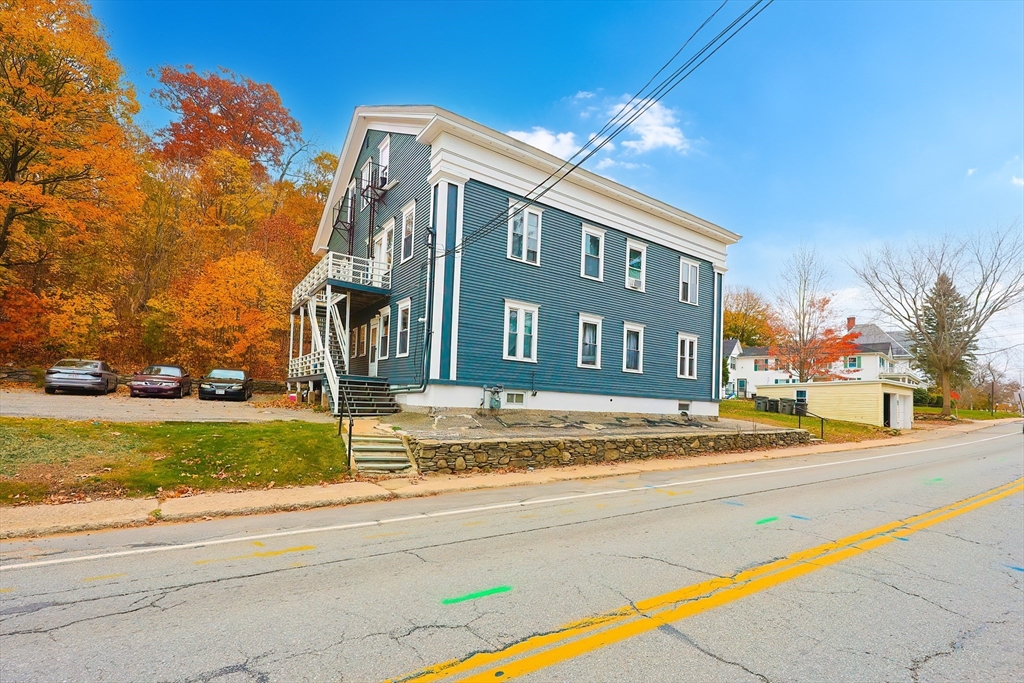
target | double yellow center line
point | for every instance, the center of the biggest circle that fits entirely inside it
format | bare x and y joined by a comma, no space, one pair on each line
580,637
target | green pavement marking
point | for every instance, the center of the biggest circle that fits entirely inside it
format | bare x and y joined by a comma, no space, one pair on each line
936,480
766,520
474,596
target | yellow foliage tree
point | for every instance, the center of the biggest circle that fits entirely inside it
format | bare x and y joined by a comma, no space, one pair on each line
234,314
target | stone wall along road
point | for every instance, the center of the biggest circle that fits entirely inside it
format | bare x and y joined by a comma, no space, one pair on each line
445,457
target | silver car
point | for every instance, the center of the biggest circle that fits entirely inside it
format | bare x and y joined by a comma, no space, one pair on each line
74,373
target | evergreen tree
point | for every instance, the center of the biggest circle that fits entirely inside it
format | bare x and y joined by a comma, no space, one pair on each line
944,348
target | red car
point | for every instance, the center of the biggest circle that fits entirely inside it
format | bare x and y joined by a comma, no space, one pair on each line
161,380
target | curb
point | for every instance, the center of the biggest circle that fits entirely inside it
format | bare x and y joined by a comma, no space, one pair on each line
138,512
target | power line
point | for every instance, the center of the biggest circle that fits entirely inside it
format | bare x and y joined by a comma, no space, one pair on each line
632,110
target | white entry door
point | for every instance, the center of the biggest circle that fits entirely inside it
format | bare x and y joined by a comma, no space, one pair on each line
381,256
374,337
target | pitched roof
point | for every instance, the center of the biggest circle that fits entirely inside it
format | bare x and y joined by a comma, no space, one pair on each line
873,334
427,122
754,352
878,347
729,345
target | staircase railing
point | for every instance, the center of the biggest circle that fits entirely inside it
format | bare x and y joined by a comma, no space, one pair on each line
345,410
807,413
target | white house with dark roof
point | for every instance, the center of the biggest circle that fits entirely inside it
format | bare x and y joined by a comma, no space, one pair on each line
879,357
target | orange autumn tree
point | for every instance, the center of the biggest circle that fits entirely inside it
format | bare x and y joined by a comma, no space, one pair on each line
809,339
234,314
748,317
66,163
222,110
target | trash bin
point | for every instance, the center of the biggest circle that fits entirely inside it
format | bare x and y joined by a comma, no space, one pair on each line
773,405
761,403
801,408
787,406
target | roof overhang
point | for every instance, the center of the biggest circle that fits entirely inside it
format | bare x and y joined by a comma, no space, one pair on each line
430,123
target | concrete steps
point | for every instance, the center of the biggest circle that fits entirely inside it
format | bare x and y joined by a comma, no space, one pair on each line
380,455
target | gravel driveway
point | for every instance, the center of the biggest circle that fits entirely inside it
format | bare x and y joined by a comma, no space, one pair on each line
120,408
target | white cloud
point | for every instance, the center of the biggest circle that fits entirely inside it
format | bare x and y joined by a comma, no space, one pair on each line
608,162
971,171
1019,182
584,95
562,145
656,129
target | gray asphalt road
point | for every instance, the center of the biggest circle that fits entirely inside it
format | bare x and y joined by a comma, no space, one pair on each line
120,407
382,590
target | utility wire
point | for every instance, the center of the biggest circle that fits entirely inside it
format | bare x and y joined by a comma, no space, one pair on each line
628,114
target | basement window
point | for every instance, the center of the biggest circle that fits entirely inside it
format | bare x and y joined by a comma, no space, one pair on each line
515,398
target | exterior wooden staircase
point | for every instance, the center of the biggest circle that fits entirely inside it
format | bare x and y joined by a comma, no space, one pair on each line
367,396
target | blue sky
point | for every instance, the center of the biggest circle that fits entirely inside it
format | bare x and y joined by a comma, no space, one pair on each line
839,125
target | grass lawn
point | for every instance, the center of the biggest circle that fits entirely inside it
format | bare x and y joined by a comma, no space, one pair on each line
966,414
836,431
62,460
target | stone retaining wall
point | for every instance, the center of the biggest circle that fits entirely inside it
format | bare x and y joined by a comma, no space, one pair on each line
10,374
445,457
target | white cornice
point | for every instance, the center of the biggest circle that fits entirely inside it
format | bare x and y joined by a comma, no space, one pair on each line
518,167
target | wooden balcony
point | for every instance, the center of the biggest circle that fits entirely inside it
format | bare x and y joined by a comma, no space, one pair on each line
345,272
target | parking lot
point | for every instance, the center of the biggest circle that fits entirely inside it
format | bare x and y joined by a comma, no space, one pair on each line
118,407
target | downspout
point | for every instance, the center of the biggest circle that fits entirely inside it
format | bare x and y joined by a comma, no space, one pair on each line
428,331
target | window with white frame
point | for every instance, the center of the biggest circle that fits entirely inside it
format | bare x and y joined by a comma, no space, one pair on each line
636,265
520,331
362,339
853,363
524,233
384,158
515,398
687,367
592,256
364,181
404,325
385,334
632,347
688,281
588,349
408,230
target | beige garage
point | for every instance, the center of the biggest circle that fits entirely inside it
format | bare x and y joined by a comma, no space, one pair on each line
878,402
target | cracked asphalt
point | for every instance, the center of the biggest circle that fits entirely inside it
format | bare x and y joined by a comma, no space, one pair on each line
282,598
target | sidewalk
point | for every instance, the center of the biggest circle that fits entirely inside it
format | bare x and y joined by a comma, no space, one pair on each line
40,520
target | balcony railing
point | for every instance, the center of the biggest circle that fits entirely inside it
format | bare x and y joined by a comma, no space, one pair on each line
310,364
345,268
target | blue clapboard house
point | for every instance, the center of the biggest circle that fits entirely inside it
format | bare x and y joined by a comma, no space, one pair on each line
440,286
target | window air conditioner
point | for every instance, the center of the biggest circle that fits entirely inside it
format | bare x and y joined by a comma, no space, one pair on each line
634,283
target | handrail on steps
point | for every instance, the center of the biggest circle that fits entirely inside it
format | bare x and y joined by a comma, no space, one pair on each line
808,413
346,410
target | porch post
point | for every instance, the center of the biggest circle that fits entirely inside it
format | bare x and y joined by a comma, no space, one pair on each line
302,331
348,331
291,335
327,325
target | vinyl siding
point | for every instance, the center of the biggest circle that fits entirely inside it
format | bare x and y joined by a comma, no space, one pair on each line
561,293
409,164
851,401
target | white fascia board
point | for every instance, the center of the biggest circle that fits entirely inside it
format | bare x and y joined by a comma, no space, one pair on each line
464,159
408,120
545,163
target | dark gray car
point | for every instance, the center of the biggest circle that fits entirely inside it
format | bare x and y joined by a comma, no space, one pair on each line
75,373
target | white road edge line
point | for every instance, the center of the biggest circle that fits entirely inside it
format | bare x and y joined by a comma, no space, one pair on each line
482,508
